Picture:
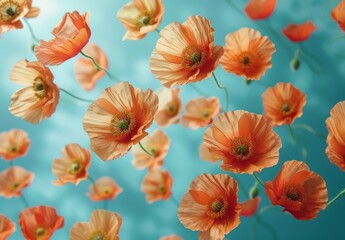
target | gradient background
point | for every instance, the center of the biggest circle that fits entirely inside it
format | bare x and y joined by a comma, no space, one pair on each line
129,61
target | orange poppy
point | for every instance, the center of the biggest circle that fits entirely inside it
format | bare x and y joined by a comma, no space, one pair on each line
118,119
250,206
38,100
283,103
171,237
157,185
7,227
244,141
192,56
105,188
102,225
299,32
13,144
298,190
33,11
260,9
200,112
336,135
158,145
140,17
73,166
85,71
10,14
211,206
13,180
247,54
71,35
169,107
39,223
338,15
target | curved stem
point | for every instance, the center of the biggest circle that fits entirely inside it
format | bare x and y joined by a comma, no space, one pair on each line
339,195
311,130
157,30
258,219
307,54
33,36
74,96
258,180
195,88
293,138
93,183
241,187
224,88
172,197
144,149
24,201
277,36
268,227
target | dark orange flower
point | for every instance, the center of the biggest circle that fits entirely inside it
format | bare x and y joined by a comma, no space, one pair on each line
283,103
260,9
13,180
244,141
71,35
13,144
211,206
336,135
171,237
247,54
105,188
118,119
157,185
298,190
192,56
338,15
7,227
169,107
250,206
39,223
299,33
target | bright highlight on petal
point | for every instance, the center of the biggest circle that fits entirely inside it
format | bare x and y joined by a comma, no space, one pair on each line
157,185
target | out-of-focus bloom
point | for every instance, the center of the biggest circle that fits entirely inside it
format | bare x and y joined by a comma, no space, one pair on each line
105,189
169,107
298,190
192,56
71,35
39,223
211,206
13,180
244,141
33,11
171,237
157,185
13,144
260,9
200,112
336,135
7,227
38,100
283,103
102,225
118,119
299,33
140,17
158,145
85,71
73,166
250,206
338,15
247,53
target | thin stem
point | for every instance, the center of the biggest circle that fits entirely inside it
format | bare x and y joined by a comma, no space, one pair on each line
172,197
74,96
340,194
311,130
24,201
157,30
147,152
258,219
277,36
258,180
293,138
105,204
242,187
304,152
235,7
33,36
93,183
195,88
224,88
312,57
268,227
265,209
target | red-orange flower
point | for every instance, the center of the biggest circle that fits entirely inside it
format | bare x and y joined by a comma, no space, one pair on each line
200,112
260,9
169,107
336,135
338,15
140,17
298,190
13,144
71,35
211,206
7,227
171,237
39,223
73,166
105,188
13,180
299,32
118,119
192,56
283,103
247,53
157,185
250,206
244,141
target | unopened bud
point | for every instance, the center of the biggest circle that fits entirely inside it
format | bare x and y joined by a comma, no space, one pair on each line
294,64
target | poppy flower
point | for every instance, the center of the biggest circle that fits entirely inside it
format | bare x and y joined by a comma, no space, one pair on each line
157,185
283,103
105,188
7,227
38,100
298,190
338,15
102,225
299,32
158,145
140,17
33,11
244,141
247,54
40,222
200,112
13,180
171,237
13,144
336,135
118,119
73,166
71,35
169,107
260,9
211,206
185,53
10,14
250,206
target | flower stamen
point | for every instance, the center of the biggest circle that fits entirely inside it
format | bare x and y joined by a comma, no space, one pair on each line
217,208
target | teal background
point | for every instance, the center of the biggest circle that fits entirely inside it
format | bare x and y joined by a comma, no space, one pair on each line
129,61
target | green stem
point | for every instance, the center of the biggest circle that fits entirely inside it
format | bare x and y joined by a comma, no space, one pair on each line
224,88
74,96
258,180
105,204
293,138
172,197
258,219
33,36
147,152
311,130
157,30
24,201
241,187
195,88
235,7
307,54
339,195
277,37
93,183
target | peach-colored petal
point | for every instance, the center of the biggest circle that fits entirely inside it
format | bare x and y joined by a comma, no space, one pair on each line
13,180
338,15
7,227
299,32
171,237
33,11
11,13
250,206
105,188
260,9
169,107
13,144
157,185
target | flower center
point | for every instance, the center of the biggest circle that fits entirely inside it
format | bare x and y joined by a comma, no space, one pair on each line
205,114
40,232
286,109
241,148
75,167
9,10
12,149
217,208
193,57
162,189
99,235
144,20
39,87
246,60
171,109
122,124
